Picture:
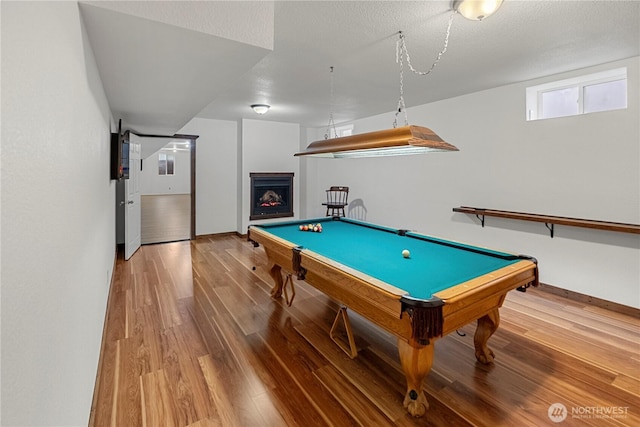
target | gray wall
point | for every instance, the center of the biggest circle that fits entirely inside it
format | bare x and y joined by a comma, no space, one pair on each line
178,183
58,215
584,166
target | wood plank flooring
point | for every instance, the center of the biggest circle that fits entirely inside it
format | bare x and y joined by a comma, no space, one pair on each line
193,339
165,218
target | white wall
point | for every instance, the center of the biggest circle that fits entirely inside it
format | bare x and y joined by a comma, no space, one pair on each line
226,153
179,183
216,172
58,215
268,147
585,166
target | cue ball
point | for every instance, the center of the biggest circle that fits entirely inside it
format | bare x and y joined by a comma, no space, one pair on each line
406,253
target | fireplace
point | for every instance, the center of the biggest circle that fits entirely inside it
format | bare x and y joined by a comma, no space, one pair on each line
271,195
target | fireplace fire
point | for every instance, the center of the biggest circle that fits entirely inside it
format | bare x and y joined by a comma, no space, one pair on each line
271,195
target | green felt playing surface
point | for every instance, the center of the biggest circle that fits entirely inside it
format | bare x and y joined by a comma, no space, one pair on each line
434,264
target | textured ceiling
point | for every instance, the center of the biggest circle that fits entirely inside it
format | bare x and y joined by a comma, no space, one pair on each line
219,74
157,73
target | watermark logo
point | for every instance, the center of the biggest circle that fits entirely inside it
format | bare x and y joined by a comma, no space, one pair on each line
557,412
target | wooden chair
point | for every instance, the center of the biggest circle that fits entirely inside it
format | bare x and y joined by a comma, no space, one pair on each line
336,200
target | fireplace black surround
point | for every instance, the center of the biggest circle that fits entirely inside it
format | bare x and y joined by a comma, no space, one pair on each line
271,195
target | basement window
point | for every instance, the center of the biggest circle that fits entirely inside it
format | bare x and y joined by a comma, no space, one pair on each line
590,93
166,164
340,131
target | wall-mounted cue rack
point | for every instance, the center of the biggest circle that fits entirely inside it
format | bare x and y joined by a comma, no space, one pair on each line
549,220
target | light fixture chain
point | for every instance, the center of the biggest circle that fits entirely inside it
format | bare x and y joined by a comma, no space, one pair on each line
401,106
401,53
403,48
331,123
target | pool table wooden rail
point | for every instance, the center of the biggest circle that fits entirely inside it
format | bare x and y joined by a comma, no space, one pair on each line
377,303
473,299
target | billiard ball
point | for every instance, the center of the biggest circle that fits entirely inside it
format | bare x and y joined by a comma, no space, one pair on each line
406,253
301,227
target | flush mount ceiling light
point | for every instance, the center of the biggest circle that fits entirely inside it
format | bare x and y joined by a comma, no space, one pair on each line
260,108
476,10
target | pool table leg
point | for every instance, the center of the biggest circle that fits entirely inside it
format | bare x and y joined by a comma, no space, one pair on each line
487,325
275,271
416,360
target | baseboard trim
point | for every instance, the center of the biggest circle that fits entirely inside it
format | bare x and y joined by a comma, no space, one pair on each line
96,387
213,235
598,302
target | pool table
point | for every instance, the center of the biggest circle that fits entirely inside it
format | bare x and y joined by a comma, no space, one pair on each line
441,286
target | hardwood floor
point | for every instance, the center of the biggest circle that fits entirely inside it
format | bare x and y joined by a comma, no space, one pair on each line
257,362
165,218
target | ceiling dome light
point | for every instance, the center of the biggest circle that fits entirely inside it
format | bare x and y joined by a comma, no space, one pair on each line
476,10
260,108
